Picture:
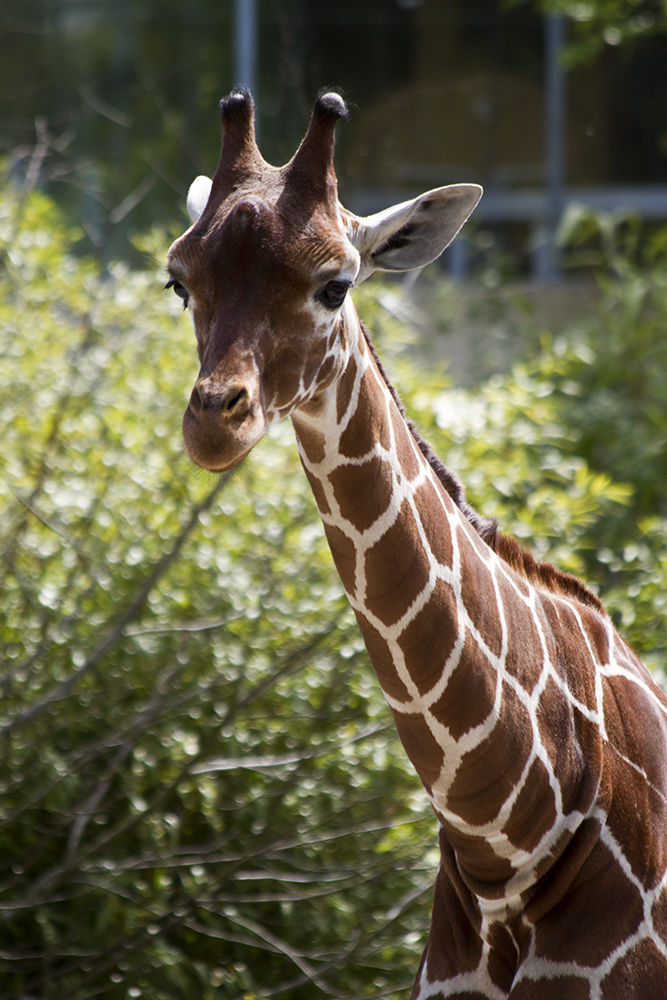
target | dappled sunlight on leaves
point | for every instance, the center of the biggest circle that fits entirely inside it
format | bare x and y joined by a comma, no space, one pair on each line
161,630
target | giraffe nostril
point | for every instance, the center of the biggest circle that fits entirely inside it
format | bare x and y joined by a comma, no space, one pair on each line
235,402
197,399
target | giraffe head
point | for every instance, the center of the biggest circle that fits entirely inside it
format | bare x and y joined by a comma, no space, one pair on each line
265,270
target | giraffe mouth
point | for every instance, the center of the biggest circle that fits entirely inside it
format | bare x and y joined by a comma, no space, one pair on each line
227,467
218,440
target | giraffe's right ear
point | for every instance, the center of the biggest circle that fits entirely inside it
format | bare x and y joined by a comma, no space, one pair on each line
198,194
413,233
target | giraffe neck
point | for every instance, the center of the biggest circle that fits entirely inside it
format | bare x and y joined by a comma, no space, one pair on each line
429,594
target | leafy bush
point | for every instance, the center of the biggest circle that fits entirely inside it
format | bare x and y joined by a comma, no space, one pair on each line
202,790
608,380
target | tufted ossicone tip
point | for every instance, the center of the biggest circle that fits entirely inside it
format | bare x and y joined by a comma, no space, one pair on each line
239,155
238,106
312,166
331,104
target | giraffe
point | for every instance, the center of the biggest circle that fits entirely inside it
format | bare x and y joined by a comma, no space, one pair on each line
540,738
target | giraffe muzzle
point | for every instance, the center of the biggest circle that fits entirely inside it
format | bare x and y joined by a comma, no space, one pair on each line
233,404
223,422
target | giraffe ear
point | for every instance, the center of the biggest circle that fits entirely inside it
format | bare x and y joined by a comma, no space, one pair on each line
198,194
415,232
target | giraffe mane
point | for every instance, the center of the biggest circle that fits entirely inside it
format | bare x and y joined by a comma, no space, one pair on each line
506,547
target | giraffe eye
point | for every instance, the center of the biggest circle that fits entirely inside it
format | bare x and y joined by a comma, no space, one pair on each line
333,293
179,290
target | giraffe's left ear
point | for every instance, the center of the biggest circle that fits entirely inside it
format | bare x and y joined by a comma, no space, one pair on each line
415,232
198,194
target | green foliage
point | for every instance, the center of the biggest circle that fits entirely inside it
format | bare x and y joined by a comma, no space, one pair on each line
608,379
596,23
200,786
611,373
202,791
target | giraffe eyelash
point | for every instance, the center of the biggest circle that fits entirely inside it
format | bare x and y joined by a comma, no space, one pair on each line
179,290
333,293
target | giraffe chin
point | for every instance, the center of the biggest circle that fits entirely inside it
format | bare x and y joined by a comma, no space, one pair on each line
219,469
218,452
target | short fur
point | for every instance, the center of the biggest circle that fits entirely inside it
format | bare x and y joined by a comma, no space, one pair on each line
539,573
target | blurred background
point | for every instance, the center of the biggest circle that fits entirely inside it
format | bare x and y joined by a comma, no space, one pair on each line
201,790
539,106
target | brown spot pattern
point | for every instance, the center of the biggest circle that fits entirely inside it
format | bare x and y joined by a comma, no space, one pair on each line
420,746
554,988
573,745
344,389
408,459
569,856
641,973
468,698
325,371
475,995
312,443
596,633
524,659
344,555
534,812
601,909
360,504
659,916
481,868
428,640
318,493
383,660
502,957
364,428
635,725
397,569
434,523
488,773
570,650
479,595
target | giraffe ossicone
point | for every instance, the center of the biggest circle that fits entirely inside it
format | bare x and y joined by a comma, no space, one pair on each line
537,733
